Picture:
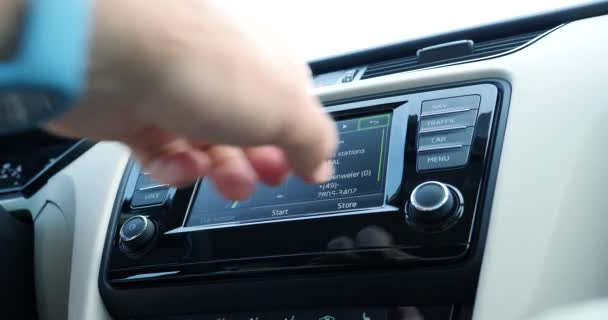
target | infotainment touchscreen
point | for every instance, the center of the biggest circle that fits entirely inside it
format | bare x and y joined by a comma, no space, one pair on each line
358,183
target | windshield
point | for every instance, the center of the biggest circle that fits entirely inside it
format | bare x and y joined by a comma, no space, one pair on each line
321,28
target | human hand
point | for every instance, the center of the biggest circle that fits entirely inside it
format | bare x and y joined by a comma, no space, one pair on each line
192,94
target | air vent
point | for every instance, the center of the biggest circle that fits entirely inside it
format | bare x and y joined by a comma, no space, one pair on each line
482,49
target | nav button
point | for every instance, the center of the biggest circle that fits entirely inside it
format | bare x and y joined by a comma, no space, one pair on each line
452,104
442,159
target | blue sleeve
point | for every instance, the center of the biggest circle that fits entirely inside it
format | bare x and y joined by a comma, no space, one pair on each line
47,75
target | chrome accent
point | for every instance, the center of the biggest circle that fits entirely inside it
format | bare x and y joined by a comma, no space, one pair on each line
198,182
125,238
422,131
448,223
157,186
316,215
151,275
434,148
418,206
436,113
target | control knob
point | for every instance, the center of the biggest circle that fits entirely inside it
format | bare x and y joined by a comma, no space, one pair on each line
434,204
136,234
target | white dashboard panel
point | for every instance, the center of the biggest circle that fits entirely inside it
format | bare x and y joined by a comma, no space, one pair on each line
71,215
546,244
94,195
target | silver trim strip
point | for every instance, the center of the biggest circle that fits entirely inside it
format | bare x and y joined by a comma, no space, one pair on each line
452,146
196,185
422,131
151,275
316,215
436,113
158,186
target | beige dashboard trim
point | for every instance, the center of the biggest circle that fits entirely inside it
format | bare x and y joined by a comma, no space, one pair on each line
95,196
71,215
546,244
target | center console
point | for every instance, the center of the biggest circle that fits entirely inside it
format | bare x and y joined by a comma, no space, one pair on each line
401,223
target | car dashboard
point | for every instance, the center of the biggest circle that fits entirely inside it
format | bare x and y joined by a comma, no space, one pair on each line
469,185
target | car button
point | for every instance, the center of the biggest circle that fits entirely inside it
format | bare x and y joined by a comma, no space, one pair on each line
448,121
152,197
446,138
443,158
450,104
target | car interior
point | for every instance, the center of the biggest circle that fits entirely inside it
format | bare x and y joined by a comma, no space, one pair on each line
457,195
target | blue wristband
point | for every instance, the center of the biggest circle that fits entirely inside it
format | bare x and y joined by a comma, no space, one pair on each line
47,74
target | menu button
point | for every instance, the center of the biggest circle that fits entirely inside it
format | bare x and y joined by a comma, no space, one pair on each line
442,159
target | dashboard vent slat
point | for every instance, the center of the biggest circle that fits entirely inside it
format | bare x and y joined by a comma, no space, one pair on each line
508,45
482,49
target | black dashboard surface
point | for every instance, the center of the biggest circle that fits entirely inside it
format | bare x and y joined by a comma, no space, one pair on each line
17,295
29,158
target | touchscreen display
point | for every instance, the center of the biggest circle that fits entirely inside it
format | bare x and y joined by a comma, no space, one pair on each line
358,183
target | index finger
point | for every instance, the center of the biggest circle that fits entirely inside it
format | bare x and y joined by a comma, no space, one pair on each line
229,87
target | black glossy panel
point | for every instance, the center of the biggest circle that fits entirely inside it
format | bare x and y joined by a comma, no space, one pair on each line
371,237
29,159
369,257
357,183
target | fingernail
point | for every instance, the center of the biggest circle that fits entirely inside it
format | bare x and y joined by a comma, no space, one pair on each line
323,173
